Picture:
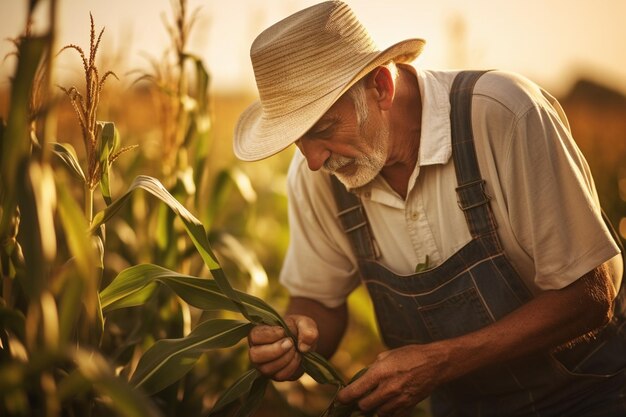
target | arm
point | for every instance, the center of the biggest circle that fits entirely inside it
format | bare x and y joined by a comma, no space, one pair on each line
400,378
315,326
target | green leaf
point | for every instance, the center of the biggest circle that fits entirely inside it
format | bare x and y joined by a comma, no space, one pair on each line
164,229
421,267
134,285
168,360
75,226
194,229
337,409
108,142
16,141
320,369
249,389
127,401
246,260
224,181
36,197
242,181
67,153
82,287
193,226
253,400
240,389
202,79
105,184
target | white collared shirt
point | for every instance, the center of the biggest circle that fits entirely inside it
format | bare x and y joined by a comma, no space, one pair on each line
543,197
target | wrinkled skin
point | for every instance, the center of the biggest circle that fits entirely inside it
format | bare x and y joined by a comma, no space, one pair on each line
273,352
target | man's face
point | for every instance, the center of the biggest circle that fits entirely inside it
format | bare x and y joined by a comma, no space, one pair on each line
353,151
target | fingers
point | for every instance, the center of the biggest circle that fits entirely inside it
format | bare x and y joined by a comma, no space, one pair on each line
373,392
358,388
306,330
389,403
278,360
273,352
261,335
385,402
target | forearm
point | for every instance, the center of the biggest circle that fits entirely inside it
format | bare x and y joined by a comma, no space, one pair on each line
331,322
548,321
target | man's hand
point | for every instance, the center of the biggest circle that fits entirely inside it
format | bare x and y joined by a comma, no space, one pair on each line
395,382
273,353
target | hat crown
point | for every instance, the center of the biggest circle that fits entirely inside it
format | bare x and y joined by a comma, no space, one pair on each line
302,65
303,57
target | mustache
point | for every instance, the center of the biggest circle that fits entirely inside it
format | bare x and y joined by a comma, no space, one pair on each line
336,162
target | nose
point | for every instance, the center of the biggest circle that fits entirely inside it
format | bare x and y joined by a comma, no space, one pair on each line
314,151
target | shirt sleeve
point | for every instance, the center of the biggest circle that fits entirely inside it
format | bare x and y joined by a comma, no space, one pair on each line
551,197
319,263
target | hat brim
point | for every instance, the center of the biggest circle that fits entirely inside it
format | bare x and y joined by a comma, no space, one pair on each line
257,137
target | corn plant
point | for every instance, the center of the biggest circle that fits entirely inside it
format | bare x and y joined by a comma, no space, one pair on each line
179,83
167,361
48,276
99,138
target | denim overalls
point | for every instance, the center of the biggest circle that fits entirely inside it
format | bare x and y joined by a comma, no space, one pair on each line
478,286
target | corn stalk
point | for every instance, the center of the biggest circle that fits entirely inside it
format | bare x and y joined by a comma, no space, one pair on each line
46,367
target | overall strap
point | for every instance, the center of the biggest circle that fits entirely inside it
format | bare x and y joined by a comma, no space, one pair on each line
472,197
354,221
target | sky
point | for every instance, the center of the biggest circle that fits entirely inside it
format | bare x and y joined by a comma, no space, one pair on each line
551,41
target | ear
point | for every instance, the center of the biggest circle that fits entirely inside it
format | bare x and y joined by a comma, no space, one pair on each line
382,84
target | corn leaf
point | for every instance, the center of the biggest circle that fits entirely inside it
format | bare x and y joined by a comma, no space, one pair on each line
75,224
127,401
224,182
133,286
105,184
246,260
81,287
16,142
36,197
108,143
337,409
135,297
194,228
254,398
249,389
320,369
240,389
67,154
168,360
202,79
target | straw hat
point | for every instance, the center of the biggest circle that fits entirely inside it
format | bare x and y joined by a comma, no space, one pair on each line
302,65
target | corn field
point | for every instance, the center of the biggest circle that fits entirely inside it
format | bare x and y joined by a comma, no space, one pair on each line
114,300
136,255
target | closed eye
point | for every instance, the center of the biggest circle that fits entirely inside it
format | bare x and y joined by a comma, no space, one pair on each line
323,128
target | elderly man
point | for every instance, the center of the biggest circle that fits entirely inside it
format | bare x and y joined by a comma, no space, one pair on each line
463,204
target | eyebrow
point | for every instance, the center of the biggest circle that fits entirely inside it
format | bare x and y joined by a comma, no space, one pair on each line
325,120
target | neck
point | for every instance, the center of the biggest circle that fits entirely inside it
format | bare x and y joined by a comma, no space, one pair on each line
405,122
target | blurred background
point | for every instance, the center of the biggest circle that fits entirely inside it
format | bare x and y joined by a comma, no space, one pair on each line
553,43
573,48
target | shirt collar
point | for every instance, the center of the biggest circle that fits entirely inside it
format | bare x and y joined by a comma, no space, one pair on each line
436,134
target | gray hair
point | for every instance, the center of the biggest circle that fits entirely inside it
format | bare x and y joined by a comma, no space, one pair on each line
357,93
